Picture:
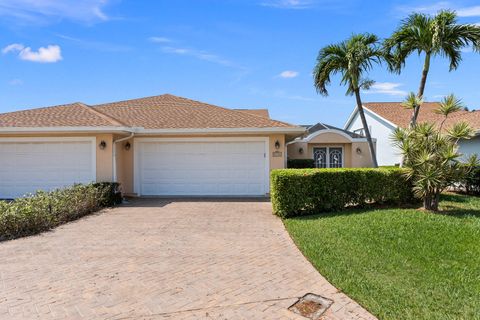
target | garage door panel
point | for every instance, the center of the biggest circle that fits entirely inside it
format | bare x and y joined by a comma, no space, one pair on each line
26,167
202,168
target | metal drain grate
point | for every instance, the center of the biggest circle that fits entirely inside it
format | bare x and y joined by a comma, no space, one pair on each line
311,306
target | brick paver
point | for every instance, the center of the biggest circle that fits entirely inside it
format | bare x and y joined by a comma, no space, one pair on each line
164,259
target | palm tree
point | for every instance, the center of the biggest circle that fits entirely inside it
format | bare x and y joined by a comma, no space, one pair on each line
351,58
432,160
439,35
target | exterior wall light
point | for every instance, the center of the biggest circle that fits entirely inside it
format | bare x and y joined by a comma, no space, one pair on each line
277,144
102,145
127,146
359,151
300,150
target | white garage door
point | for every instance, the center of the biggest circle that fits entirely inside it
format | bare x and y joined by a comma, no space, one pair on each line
27,166
201,167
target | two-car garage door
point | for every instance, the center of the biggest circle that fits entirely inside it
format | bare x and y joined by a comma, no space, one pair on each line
165,167
28,164
201,167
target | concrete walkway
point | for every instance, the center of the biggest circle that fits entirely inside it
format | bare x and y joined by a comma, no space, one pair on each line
164,259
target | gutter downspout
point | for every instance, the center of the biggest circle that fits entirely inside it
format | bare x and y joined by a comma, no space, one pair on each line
115,154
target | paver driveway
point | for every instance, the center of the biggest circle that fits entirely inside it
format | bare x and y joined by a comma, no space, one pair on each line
156,259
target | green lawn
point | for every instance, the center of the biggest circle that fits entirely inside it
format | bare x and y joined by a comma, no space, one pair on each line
400,263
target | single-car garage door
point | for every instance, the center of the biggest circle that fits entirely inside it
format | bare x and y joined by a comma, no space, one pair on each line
201,167
28,165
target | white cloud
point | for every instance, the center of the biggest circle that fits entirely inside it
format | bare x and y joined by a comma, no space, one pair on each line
433,8
51,53
469,11
388,88
279,94
178,51
202,55
15,82
288,74
95,45
159,39
42,11
288,4
13,47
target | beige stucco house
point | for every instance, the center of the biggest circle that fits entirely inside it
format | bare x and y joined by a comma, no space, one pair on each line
163,145
331,147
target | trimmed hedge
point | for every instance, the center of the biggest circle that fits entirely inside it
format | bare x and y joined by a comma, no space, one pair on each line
306,191
300,163
45,210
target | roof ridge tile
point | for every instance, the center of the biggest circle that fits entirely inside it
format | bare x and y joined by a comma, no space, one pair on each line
111,119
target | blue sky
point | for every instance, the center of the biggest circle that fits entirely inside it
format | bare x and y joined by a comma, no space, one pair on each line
233,53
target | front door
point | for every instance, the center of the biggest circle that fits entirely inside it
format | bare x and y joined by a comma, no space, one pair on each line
328,157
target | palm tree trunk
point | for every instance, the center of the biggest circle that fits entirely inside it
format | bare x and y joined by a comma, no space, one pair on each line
431,201
421,89
365,128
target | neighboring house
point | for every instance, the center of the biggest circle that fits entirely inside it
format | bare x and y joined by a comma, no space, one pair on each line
163,145
384,117
331,147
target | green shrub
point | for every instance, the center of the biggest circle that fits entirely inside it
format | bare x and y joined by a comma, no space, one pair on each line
471,183
307,191
300,163
389,167
113,195
45,210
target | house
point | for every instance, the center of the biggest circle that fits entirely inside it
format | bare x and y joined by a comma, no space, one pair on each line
163,145
331,147
384,117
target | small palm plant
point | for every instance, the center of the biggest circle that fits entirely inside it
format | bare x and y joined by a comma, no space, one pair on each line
352,58
431,157
438,35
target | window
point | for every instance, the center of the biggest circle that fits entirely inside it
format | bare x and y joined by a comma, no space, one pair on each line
320,157
328,157
335,157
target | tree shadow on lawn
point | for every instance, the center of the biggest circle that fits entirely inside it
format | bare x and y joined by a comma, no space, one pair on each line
455,211
446,209
352,210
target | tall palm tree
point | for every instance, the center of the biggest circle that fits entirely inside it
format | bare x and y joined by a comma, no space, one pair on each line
351,58
438,35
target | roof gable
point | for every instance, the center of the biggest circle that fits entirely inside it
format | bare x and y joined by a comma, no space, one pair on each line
154,113
322,126
67,115
168,111
395,113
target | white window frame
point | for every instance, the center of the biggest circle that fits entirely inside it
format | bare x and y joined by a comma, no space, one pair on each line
328,155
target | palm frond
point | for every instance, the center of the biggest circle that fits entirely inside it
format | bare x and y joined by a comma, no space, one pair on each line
412,101
460,130
449,105
351,58
438,35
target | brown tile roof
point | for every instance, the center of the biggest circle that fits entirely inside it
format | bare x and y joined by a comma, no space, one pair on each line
258,112
67,115
168,111
397,114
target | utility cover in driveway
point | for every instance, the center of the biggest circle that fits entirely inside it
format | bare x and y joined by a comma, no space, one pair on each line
311,306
